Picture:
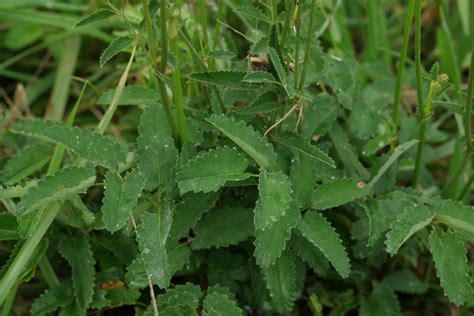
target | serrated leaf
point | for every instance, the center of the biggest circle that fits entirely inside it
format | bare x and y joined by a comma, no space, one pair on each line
320,233
95,16
264,103
275,197
221,54
77,252
131,95
259,77
217,228
8,227
450,260
411,220
280,70
115,47
182,295
97,148
253,143
189,211
338,192
17,190
300,145
382,301
271,241
218,303
25,162
382,212
209,171
32,127
152,234
120,197
157,156
397,152
309,253
405,281
228,79
455,215
280,280
62,184
302,178
51,300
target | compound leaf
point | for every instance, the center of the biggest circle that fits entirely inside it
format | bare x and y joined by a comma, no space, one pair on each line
254,144
338,192
120,197
321,234
217,228
450,260
77,252
209,171
62,184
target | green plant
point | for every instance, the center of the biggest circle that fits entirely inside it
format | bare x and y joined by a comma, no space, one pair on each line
252,158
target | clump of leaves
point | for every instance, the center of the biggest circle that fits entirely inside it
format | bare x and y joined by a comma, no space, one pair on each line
284,182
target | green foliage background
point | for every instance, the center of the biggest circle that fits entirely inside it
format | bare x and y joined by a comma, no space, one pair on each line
236,157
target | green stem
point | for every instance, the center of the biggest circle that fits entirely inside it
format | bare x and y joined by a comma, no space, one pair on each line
468,106
308,45
401,63
418,68
7,306
297,47
176,77
18,264
183,33
421,136
217,29
107,118
205,35
467,188
164,58
48,272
